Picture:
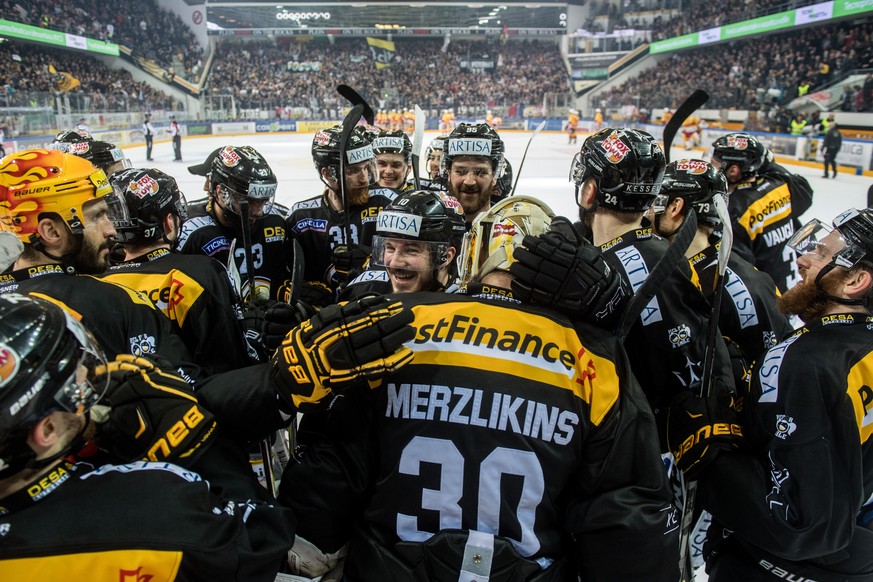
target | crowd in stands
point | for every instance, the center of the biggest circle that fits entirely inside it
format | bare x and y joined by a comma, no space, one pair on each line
756,74
143,26
27,81
258,74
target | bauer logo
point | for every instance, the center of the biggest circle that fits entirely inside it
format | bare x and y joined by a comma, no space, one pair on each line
692,166
391,144
359,155
9,364
616,150
399,223
469,146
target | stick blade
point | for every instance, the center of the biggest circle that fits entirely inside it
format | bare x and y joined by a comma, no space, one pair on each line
355,98
695,101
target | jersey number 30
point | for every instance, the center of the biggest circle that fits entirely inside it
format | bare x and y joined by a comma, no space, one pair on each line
445,500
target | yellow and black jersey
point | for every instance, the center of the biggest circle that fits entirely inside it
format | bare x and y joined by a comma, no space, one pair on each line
667,342
509,423
319,228
748,315
138,522
804,498
196,294
123,320
762,215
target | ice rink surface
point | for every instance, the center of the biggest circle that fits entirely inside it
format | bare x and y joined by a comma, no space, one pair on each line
544,175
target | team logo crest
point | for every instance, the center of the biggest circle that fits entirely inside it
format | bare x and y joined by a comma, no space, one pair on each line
322,138
679,335
503,229
616,150
143,187
229,157
79,148
9,364
694,167
784,426
143,345
451,203
738,143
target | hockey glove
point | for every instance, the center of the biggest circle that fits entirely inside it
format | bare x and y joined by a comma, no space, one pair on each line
317,294
279,319
551,272
341,346
305,559
253,322
150,415
698,428
349,260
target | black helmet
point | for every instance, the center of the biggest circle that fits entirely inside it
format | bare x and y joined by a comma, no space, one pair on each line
368,132
241,172
696,182
503,187
326,149
477,140
741,149
423,215
148,196
393,142
41,349
71,136
106,156
856,226
437,144
627,164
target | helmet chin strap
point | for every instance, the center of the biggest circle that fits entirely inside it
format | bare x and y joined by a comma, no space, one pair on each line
66,260
864,301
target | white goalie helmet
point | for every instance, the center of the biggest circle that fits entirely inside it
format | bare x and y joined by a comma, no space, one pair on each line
495,234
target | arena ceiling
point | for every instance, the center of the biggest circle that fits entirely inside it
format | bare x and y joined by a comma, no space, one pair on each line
399,17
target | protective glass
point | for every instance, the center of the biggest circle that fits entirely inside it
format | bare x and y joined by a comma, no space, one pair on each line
259,198
83,383
818,241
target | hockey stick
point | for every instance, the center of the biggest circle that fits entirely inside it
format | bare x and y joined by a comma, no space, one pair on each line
870,197
349,123
707,376
355,98
694,102
536,132
10,249
417,138
247,246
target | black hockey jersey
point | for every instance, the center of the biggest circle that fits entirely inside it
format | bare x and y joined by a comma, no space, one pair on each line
196,294
203,235
762,215
320,228
801,493
510,429
668,340
137,522
748,315
122,320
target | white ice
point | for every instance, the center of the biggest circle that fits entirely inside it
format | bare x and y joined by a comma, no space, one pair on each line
544,174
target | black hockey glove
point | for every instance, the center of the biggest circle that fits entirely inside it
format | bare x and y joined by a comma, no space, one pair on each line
317,294
150,415
700,428
253,321
342,346
349,260
279,319
551,272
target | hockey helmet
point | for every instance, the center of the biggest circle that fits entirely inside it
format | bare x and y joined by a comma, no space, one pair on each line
47,363
696,182
35,182
326,150
741,149
503,187
146,197
474,140
436,145
393,142
422,215
627,165
495,234
71,136
854,242
241,173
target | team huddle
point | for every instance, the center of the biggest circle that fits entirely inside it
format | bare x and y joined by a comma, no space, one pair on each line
474,388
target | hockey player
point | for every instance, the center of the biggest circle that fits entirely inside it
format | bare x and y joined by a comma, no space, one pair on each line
193,291
512,447
598,121
241,180
393,152
793,503
433,154
61,207
106,156
761,206
572,125
748,317
319,223
473,160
